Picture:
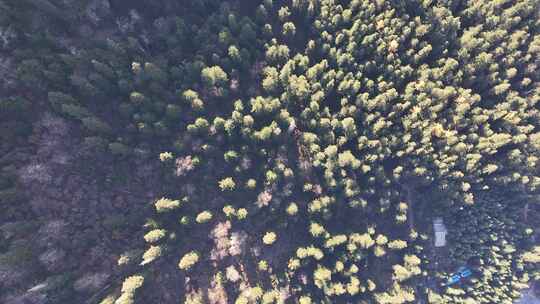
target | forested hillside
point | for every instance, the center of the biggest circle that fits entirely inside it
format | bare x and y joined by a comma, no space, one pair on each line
269,151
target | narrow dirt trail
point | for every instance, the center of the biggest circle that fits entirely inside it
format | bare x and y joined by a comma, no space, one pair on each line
410,209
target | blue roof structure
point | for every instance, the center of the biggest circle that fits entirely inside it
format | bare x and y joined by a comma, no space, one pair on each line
453,279
462,273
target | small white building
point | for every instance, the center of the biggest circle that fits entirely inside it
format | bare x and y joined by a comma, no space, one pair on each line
439,229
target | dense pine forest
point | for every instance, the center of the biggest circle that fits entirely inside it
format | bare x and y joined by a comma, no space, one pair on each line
274,151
